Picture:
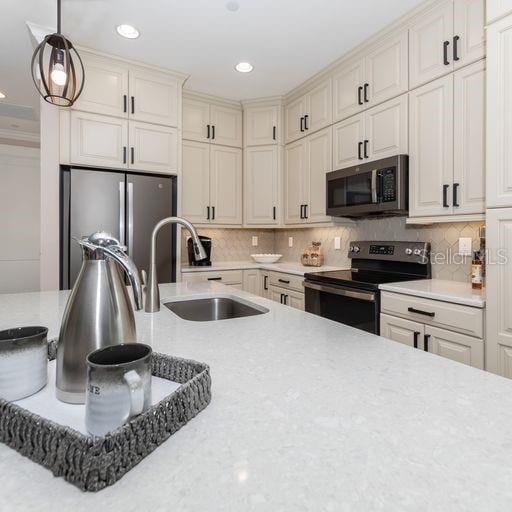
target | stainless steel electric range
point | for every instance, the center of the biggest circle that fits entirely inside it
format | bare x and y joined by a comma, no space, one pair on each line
352,296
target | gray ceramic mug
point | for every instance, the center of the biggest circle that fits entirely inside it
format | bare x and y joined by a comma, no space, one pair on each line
118,386
23,361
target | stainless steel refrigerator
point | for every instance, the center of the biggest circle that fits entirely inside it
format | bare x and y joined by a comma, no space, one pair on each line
127,205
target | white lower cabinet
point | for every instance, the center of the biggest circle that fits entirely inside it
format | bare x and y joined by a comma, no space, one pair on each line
287,297
252,281
264,283
452,345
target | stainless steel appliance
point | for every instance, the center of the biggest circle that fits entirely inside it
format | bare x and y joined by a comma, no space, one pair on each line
369,189
207,244
352,296
126,205
98,312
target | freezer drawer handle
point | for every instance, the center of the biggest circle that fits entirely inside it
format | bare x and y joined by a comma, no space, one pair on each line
420,312
344,292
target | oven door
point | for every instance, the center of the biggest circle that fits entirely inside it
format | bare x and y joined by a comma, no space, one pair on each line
357,308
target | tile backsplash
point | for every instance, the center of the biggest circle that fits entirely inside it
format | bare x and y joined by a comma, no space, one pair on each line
447,263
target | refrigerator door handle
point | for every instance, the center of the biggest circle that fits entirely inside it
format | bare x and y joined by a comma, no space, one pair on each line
130,219
122,239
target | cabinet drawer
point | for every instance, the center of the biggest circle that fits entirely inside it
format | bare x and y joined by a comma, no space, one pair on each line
455,317
287,281
223,276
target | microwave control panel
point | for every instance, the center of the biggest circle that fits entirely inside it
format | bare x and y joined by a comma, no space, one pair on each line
388,178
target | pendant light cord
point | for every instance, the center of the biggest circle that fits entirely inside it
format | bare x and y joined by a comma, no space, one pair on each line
58,16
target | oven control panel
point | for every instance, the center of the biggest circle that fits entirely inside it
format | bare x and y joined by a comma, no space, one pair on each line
384,250
414,252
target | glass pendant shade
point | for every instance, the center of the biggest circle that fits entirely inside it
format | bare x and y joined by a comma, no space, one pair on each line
57,69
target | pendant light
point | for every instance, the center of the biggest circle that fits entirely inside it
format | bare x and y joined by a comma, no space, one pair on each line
57,69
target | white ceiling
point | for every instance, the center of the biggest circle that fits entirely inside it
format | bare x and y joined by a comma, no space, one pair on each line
287,41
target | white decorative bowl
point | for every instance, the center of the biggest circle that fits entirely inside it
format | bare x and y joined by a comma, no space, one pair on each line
266,258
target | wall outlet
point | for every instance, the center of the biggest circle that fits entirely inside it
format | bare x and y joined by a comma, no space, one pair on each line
290,241
465,246
337,242
255,241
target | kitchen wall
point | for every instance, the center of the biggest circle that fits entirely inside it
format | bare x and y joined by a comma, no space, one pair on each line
235,244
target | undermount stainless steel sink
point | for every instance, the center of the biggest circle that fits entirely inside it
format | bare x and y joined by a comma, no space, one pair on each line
214,308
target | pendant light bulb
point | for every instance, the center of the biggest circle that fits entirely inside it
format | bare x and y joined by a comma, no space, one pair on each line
58,75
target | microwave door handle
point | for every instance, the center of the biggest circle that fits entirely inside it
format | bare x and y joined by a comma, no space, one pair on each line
375,198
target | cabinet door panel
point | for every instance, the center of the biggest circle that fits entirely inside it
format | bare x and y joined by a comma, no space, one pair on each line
499,114
319,107
196,118
431,148
454,346
498,319
386,69
226,185
469,138
469,28
153,97
98,141
195,182
347,97
261,184
295,300
348,136
403,331
227,126
293,114
153,148
261,125
386,129
105,89
497,8
319,153
252,282
295,177
426,38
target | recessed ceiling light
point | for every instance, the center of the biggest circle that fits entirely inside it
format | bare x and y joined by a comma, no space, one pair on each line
232,6
244,67
2,95
128,31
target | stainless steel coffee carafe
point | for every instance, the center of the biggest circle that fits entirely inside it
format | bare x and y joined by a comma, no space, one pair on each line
99,312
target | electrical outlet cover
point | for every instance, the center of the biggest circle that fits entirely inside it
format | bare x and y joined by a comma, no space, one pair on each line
465,246
255,241
337,242
290,241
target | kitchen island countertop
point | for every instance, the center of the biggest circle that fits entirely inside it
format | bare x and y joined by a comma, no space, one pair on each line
306,415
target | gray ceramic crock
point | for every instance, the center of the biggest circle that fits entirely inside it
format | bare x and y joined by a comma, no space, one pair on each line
118,386
23,361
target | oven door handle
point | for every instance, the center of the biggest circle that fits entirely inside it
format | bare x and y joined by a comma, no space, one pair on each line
338,290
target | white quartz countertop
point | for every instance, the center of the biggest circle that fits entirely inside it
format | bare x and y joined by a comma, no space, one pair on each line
440,289
306,415
288,267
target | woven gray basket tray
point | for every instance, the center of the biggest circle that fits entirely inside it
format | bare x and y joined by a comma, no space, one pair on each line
93,463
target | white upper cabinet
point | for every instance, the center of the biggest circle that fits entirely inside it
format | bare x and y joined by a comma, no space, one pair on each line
499,114
386,131
348,142
469,139
226,185
497,9
295,177
318,107
430,44
310,112
153,97
348,90
261,185
261,125
195,182
431,148
377,133
226,125
98,141
448,36
105,88
469,32
294,119
196,119
386,69
319,154
153,147
208,122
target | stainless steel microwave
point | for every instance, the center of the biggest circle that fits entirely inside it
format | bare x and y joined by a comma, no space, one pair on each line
370,189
